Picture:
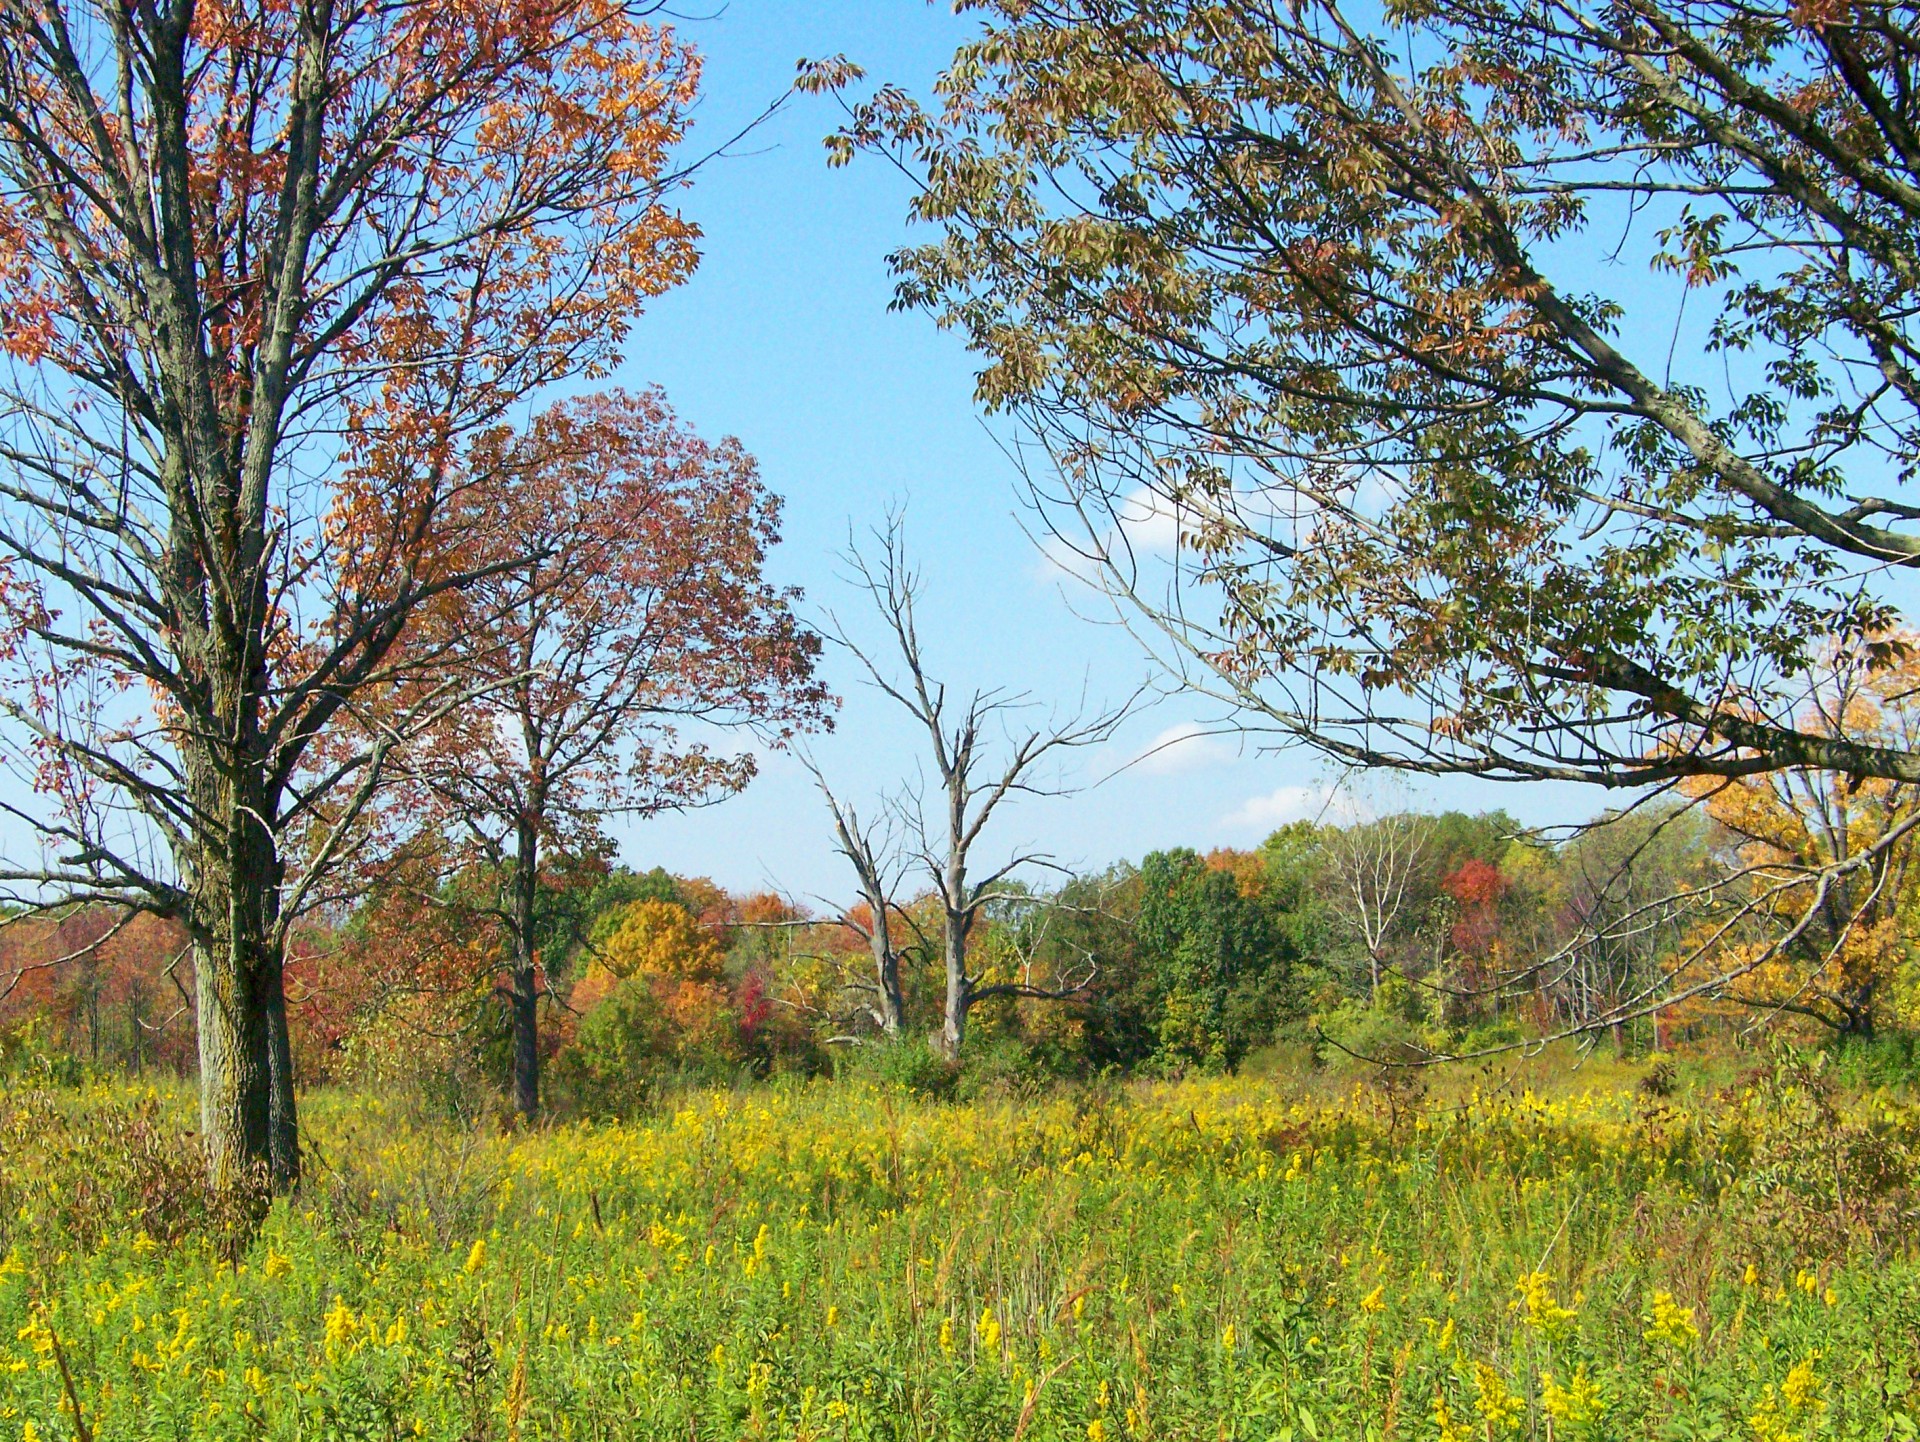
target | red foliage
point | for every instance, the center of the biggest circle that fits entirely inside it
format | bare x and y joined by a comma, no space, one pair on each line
107,988
1478,887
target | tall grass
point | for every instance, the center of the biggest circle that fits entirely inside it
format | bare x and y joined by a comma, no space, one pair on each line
1202,1260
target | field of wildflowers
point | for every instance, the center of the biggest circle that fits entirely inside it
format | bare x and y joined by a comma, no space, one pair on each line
1202,1260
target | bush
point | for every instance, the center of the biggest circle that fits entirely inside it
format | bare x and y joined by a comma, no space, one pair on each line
1002,1067
909,1065
1884,1061
1357,1032
620,1059
1817,1179
436,1057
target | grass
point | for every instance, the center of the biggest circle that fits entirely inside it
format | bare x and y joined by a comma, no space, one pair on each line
1205,1260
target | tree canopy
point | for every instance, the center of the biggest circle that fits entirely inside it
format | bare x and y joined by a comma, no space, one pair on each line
1532,386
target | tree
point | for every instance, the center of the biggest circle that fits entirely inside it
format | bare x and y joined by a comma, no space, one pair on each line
1630,890
1371,868
870,849
1217,961
645,611
269,270
1325,291
971,781
1829,863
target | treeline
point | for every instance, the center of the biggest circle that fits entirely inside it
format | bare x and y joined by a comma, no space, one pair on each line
1400,937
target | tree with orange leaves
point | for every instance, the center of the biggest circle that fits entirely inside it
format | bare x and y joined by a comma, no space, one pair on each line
273,272
1826,861
644,613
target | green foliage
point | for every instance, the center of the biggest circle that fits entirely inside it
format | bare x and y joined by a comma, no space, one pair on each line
1820,1179
1208,1260
620,1057
1218,968
909,1065
1394,1028
1465,504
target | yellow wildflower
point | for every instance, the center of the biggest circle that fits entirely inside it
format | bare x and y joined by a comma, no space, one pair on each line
1577,1402
1790,1412
987,1329
476,1258
340,1323
1450,1430
1498,1406
1543,1311
1670,1323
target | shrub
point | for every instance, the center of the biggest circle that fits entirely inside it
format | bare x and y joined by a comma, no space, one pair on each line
909,1065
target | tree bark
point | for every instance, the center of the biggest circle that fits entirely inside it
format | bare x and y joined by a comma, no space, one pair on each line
959,1001
523,998
248,1116
891,1012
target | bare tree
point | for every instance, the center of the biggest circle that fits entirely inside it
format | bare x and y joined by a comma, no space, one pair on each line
1371,866
979,757
871,847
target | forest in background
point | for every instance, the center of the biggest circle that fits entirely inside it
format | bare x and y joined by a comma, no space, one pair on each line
1402,939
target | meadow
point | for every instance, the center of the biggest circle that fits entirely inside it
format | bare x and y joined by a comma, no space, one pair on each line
1239,1258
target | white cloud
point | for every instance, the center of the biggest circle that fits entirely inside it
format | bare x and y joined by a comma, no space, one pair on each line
1276,808
1145,523
1184,746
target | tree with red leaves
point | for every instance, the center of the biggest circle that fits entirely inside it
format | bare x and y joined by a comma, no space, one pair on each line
643,619
1476,887
267,269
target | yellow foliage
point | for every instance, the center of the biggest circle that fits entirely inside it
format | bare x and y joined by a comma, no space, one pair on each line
1842,955
660,938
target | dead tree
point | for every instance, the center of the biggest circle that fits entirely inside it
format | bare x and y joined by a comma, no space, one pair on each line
872,849
979,758
1372,865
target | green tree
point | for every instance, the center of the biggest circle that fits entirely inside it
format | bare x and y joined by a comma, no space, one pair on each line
1218,965
1326,291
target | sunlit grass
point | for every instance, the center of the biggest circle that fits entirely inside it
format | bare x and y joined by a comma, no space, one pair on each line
1194,1260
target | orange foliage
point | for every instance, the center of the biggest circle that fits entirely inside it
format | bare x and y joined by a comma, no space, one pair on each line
1831,954
678,958
106,986
1247,869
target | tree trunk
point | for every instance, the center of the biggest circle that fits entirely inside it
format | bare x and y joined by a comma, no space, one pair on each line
524,990
248,1117
283,1119
247,1112
953,1025
890,1012
959,1000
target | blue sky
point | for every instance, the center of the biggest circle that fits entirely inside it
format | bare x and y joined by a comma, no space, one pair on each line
783,338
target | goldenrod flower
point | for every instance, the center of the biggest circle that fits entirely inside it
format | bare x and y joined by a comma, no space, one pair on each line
1670,1323
1498,1406
987,1329
1577,1402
